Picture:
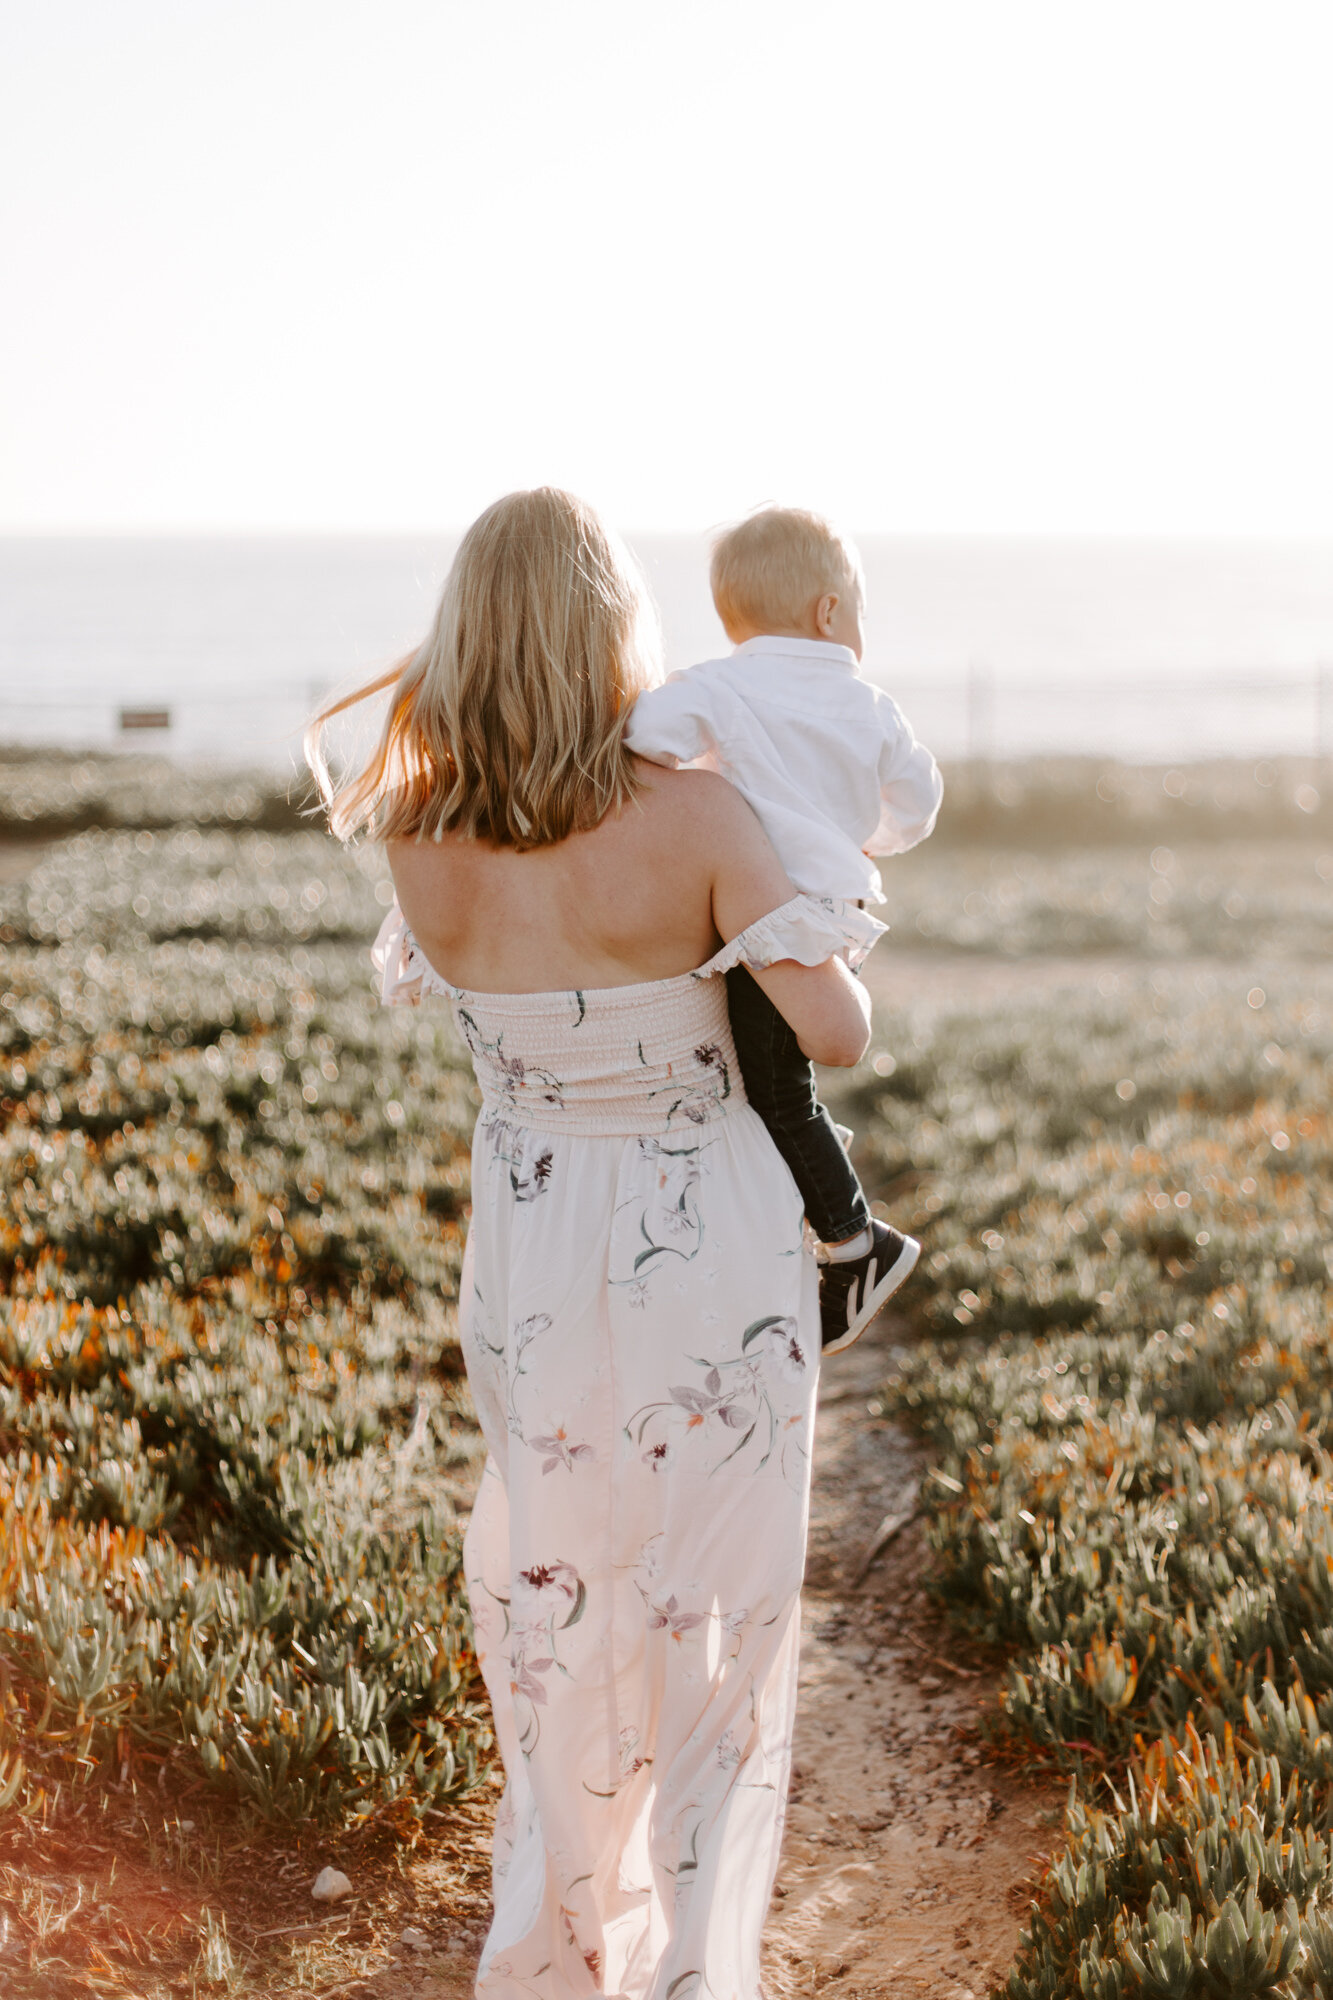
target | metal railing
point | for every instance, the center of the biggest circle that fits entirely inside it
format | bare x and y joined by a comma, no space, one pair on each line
983,713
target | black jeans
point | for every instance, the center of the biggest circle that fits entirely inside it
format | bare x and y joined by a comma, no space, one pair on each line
780,1084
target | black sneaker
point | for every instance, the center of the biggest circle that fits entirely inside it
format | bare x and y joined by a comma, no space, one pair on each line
851,1294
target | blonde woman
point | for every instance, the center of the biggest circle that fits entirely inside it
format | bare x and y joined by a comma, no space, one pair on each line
639,1313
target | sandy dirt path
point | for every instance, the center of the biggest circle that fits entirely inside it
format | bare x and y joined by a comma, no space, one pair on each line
908,1857
951,981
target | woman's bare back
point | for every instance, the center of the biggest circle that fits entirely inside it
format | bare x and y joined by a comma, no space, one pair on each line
639,897
648,894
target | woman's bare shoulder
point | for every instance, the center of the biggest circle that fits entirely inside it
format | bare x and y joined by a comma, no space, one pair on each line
713,834
705,807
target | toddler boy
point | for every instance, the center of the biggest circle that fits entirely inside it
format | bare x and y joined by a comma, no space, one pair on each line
833,771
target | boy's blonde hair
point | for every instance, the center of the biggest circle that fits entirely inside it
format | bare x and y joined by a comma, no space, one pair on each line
768,570
507,723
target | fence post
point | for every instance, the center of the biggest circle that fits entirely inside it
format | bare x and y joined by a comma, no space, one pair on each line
980,713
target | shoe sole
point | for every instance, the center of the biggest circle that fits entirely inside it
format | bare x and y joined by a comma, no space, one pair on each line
897,1274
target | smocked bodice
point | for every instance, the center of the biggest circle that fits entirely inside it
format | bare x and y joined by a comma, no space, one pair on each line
616,1060
645,1058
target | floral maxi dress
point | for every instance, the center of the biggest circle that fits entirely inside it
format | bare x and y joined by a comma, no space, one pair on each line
640,1326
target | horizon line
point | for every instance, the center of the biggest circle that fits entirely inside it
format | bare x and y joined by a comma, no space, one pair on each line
1122,537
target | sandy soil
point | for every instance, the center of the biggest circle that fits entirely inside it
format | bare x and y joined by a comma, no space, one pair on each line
939,980
908,1855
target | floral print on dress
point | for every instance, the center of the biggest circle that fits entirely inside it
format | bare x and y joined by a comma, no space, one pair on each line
511,1076
520,1340
696,1096
528,1157
546,1600
666,1226
674,1621
745,1395
557,1450
631,1763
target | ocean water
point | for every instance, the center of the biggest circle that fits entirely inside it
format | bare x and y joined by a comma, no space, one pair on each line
1143,650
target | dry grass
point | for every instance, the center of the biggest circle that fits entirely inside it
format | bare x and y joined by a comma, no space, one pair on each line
125,1896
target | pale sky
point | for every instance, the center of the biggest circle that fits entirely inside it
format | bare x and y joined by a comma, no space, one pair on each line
929,265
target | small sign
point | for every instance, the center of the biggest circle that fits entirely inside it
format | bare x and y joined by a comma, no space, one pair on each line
145,718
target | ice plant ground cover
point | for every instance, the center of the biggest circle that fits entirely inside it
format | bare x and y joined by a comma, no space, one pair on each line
232,1192
1125,1369
231,1200
1224,899
1043,803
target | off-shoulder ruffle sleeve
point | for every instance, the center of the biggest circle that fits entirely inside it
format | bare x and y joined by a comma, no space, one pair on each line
808,929
406,975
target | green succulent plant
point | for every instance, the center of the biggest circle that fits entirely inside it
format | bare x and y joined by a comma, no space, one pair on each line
232,1189
1123,1368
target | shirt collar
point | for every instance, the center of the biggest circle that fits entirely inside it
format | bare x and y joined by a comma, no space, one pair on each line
823,650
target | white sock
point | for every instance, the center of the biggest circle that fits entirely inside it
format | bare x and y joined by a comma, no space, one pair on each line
855,1246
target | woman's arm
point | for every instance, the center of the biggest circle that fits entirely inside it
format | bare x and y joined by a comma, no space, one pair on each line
826,1007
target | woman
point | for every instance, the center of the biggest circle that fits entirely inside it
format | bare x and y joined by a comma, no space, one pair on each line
639,1315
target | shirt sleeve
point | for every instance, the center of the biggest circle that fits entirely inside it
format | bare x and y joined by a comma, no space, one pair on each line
672,724
910,785
808,929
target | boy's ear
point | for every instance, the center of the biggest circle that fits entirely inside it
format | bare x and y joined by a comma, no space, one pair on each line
824,610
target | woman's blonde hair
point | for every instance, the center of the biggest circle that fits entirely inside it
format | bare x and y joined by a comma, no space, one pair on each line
508,721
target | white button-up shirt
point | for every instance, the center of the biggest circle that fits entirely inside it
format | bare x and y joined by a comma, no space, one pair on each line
828,762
